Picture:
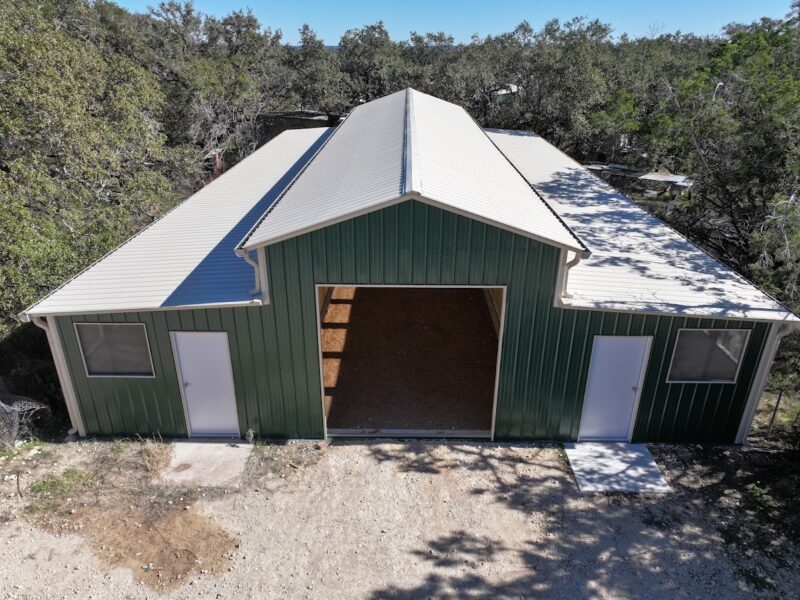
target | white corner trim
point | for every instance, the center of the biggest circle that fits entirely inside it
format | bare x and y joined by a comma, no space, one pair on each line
261,255
568,264
777,331
62,370
561,279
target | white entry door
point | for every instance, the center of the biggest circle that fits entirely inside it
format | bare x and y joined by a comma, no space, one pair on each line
203,361
616,372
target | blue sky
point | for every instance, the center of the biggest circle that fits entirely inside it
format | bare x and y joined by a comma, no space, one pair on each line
463,18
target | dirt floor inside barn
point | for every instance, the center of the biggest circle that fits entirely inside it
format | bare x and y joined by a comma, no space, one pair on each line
408,358
391,519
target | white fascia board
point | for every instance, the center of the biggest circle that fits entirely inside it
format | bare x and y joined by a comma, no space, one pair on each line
113,310
404,198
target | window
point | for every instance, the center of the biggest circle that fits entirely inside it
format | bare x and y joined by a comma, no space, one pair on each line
708,355
115,349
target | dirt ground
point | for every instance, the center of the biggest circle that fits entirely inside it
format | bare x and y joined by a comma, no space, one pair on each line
409,358
391,519
108,493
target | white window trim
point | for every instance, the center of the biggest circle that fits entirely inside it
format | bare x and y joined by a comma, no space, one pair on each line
735,379
121,376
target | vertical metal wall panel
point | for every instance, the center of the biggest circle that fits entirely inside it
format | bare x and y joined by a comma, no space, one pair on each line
545,350
269,358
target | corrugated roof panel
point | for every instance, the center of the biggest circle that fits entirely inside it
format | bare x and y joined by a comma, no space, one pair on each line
638,263
360,167
187,257
410,145
455,164
414,145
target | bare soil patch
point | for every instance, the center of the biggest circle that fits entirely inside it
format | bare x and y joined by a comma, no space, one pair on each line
408,358
415,519
108,496
161,548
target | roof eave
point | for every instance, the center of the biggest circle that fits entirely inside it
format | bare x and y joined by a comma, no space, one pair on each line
26,316
756,315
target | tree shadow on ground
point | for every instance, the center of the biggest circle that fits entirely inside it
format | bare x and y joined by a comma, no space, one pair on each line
588,545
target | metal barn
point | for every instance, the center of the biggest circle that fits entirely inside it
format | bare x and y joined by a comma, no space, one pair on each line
408,273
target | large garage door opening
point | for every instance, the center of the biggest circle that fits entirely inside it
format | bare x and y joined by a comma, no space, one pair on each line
411,361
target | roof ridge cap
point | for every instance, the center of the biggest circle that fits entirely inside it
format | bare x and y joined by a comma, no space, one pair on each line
411,180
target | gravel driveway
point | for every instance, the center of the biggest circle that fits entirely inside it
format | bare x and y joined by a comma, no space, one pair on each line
417,520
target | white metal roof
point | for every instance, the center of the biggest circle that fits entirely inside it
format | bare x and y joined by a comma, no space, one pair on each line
358,167
187,257
456,165
638,263
405,145
409,145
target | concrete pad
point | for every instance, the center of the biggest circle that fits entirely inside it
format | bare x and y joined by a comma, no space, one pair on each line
615,467
207,463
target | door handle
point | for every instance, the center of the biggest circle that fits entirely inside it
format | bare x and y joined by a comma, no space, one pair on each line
185,384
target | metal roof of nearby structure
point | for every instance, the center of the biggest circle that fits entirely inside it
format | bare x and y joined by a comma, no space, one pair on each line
187,258
403,146
358,168
410,145
638,263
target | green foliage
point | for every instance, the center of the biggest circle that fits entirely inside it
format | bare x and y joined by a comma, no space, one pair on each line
53,492
317,80
108,118
15,450
83,161
734,125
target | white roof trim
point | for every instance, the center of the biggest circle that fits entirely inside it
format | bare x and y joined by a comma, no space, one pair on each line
403,145
26,316
186,258
412,182
638,263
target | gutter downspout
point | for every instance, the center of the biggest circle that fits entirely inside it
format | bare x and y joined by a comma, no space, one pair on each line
567,266
777,332
261,254
245,254
62,370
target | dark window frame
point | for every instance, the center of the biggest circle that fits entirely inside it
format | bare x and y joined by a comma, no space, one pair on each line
152,373
735,378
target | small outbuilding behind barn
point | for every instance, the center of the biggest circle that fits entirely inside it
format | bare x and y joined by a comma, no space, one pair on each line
408,273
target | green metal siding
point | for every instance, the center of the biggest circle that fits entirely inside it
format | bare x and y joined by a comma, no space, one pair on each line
263,376
545,350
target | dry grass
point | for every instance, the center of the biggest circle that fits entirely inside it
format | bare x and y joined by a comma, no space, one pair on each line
787,416
271,463
751,495
54,491
113,499
154,456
